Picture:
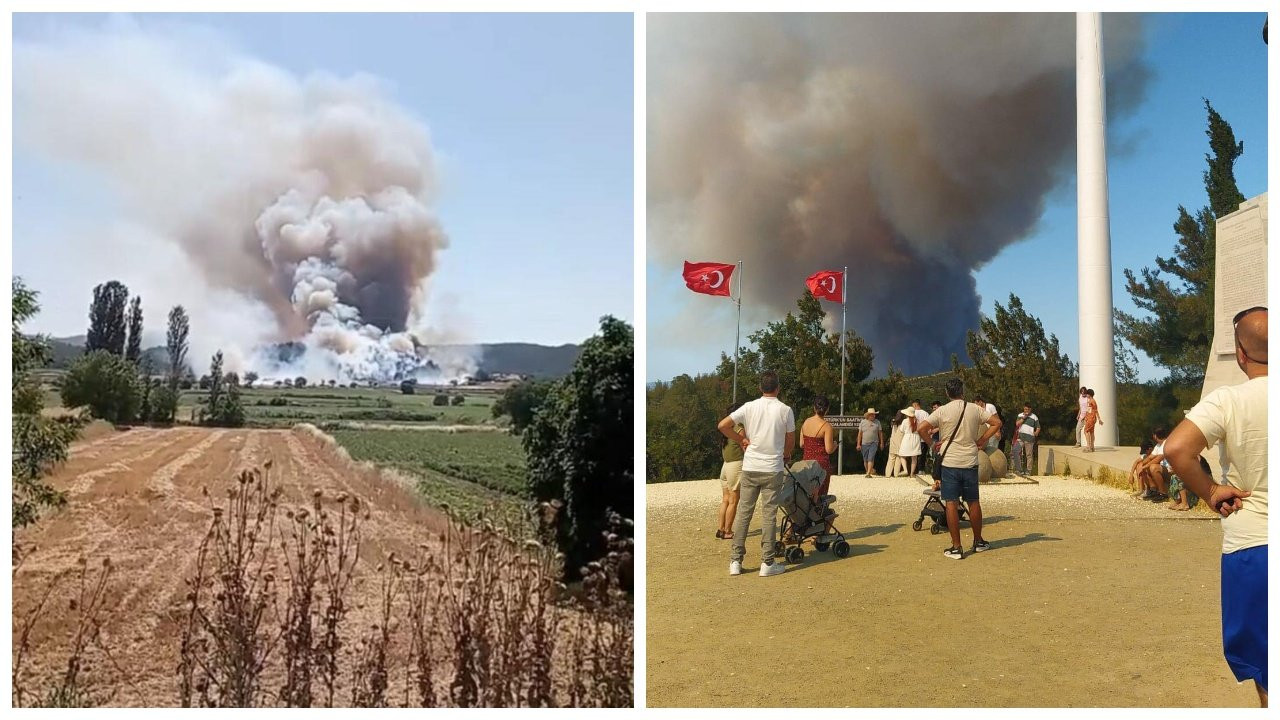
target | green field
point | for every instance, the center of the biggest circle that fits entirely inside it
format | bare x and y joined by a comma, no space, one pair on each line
466,470
326,406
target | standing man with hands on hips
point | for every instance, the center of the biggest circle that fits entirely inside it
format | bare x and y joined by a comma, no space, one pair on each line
1236,416
770,428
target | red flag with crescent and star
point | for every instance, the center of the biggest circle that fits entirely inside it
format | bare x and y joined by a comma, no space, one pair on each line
827,284
708,278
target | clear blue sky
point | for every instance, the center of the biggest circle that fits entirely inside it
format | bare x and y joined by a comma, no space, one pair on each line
531,116
1191,56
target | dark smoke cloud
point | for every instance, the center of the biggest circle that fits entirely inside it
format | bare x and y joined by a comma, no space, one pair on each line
912,148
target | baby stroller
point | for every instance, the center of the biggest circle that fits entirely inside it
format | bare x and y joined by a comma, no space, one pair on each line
802,518
936,510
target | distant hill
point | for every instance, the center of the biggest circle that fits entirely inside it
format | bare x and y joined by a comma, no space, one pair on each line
529,359
542,361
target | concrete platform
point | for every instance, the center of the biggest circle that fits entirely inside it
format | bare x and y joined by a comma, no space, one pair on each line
1117,459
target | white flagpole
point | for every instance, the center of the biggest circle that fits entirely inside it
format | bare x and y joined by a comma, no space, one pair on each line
844,294
737,335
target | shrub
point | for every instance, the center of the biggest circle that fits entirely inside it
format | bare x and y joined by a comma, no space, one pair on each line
579,444
408,387
164,404
105,383
278,401
457,400
440,399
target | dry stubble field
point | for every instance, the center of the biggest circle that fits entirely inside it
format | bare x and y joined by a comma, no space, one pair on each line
1087,598
136,497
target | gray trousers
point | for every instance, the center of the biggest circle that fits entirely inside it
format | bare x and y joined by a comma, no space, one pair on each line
765,486
1080,432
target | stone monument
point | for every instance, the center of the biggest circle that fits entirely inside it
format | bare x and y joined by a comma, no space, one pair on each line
1240,282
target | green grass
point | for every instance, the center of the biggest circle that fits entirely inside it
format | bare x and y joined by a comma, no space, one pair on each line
494,460
371,405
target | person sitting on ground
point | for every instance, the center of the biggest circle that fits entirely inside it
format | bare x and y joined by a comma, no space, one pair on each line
818,441
730,470
1155,470
1135,482
1184,499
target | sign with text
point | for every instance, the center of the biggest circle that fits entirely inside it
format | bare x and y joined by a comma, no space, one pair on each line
844,422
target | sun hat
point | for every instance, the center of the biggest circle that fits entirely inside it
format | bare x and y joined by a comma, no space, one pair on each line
870,411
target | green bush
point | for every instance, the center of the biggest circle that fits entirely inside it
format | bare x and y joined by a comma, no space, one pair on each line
105,383
457,400
440,399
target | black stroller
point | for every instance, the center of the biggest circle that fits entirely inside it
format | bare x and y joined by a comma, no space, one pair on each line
936,510
802,518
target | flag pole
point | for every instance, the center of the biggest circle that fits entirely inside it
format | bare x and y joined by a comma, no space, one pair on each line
737,335
844,295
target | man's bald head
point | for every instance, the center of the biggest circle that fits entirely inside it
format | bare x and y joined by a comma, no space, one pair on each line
1251,341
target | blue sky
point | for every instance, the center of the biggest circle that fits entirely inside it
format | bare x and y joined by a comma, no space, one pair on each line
1191,56
531,116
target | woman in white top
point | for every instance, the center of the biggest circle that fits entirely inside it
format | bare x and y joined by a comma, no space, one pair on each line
891,467
909,446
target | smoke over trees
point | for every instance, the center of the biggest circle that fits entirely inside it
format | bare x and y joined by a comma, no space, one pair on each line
911,148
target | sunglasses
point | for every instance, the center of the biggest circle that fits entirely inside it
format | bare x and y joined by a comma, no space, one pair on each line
1245,313
1236,321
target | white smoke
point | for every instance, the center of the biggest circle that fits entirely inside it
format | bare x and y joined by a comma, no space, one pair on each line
309,196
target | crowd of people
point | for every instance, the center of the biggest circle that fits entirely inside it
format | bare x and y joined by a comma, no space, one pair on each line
762,433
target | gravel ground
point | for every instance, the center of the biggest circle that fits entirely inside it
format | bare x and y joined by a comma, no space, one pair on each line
1045,497
1087,598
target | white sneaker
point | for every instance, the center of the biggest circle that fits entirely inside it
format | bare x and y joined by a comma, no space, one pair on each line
735,567
776,568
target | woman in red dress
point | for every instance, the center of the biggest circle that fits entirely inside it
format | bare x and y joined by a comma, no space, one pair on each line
1090,420
818,440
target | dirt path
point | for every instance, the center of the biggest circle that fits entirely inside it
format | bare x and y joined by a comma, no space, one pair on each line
1087,598
136,497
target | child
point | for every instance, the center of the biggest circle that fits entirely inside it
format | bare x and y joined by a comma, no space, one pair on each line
1135,482
1186,498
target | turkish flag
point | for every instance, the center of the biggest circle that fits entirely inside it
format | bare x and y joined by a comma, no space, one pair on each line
708,277
827,284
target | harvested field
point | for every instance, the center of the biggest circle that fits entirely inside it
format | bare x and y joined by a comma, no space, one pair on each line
1087,598
137,498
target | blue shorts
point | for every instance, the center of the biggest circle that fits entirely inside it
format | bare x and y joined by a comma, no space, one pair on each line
959,483
1244,613
869,451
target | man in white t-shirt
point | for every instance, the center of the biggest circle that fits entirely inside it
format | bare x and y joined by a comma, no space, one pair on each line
993,444
971,426
769,428
1236,416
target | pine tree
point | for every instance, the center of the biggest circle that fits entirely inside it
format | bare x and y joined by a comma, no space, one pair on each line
216,384
1177,297
133,347
107,329
1015,362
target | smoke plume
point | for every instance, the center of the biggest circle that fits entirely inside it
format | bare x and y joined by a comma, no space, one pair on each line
912,148
310,196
